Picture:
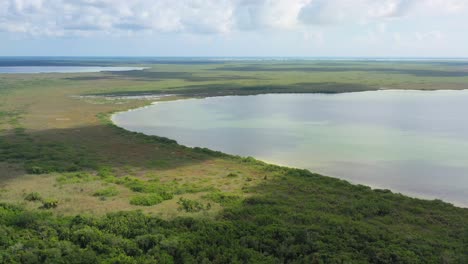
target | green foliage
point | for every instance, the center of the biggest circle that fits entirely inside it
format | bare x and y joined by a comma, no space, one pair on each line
149,241
152,186
132,237
49,203
75,177
34,196
12,118
250,160
138,185
32,169
191,206
106,173
232,175
107,192
223,198
166,190
41,157
148,199
209,152
301,218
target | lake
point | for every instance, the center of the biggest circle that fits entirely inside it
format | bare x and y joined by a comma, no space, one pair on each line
62,69
413,142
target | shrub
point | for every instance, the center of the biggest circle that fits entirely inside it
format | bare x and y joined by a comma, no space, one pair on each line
148,241
222,198
135,185
249,160
166,195
105,172
36,170
77,177
232,175
49,203
191,205
121,259
34,196
107,192
147,200
86,235
166,191
210,152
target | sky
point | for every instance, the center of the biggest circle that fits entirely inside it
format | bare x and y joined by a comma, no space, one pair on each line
228,28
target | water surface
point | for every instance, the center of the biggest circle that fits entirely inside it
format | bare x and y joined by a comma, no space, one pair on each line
413,142
62,69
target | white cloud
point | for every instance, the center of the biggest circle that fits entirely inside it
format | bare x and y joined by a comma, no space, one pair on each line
354,11
78,17
451,6
422,42
255,14
429,36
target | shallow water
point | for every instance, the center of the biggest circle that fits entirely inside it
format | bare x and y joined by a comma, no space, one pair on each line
413,142
62,69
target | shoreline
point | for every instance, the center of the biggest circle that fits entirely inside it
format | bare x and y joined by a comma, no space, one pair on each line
111,118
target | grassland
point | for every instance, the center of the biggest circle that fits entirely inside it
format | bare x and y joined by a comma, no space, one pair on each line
71,182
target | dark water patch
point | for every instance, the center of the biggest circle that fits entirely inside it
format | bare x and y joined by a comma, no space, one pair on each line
63,69
101,61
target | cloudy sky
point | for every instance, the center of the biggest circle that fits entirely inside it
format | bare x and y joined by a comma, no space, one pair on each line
351,28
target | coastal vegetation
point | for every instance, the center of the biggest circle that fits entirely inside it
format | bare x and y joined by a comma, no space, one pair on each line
74,188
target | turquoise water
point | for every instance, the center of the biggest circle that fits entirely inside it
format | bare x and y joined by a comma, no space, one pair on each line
413,142
62,69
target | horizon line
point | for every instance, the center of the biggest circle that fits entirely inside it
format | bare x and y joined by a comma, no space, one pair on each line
231,57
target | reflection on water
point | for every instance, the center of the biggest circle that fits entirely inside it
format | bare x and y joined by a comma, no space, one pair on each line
62,69
413,142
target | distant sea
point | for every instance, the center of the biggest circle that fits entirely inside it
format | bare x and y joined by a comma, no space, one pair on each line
125,61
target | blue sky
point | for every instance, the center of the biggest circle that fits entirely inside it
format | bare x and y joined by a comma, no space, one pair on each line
375,28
